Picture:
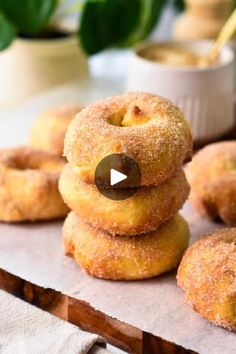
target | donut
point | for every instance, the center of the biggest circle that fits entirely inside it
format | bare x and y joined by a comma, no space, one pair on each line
212,177
207,274
29,185
143,212
48,130
125,258
146,127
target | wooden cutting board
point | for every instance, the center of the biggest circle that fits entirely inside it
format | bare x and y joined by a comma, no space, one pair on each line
140,317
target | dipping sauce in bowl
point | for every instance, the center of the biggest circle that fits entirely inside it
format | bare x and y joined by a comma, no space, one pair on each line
204,93
172,54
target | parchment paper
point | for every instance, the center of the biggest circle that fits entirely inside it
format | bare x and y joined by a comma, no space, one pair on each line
34,253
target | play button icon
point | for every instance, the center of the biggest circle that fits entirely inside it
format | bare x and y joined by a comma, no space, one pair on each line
117,176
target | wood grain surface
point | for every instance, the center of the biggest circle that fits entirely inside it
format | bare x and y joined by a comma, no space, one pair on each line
80,313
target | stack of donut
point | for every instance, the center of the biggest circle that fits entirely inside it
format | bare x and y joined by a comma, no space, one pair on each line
142,236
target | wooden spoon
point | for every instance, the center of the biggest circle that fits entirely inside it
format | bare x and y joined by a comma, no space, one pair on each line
224,36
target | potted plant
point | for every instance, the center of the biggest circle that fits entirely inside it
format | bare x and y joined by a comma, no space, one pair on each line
36,53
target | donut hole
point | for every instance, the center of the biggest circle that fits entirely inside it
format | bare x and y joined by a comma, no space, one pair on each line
116,119
133,116
22,164
29,166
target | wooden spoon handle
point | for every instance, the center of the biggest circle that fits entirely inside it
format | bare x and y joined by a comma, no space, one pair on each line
225,34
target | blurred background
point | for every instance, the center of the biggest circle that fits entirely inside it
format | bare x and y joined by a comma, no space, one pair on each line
58,55
44,44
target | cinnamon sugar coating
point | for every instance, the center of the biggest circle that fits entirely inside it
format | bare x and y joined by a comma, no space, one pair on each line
207,274
145,211
49,129
212,177
146,127
29,185
125,258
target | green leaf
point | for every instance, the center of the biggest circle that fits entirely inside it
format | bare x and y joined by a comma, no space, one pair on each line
150,14
28,16
7,32
179,5
105,23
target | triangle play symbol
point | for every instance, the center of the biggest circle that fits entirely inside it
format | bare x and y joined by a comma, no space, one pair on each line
116,177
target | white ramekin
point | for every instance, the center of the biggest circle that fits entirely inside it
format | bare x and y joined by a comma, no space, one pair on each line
206,96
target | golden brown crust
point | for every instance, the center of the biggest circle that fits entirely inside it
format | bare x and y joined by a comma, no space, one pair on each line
146,127
48,130
144,212
125,258
29,185
207,274
212,177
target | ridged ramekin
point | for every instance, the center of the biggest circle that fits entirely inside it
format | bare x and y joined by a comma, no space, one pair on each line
206,96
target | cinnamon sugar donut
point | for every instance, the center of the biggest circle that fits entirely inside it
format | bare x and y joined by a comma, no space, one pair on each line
29,185
207,274
212,177
48,130
125,258
148,128
145,211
